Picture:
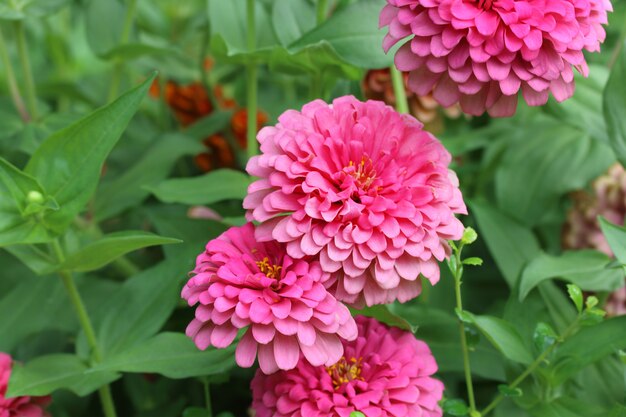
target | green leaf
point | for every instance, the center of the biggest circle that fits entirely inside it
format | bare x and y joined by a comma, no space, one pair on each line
507,391
618,411
46,374
142,306
474,261
469,236
551,160
31,8
576,295
130,189
68,164
291,19
614,107
616,237
173,355
455,407
23,219
353,32
511,244
357,414
196,412
37,260
589,269
589,345
110,247
104,22
544,336
504,337
219,185
384,314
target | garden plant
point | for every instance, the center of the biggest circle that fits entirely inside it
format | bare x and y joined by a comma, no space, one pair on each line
312,208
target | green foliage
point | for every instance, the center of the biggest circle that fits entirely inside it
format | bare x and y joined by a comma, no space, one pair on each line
614,105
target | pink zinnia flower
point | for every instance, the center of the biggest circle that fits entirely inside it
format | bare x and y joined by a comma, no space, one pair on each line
18,406
385,372
481,53
240,283
362,187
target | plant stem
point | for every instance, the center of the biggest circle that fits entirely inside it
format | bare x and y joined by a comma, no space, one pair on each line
29,82
14,89
119,64
322,6
207,397
531,368
251,81
402,104
83,317
618,45
458,274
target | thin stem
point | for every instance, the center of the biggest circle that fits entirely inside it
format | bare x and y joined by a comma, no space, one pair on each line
322,6
29,82
207,397
14,89
402,104
119,64
83,317
251,81
531,368
458,274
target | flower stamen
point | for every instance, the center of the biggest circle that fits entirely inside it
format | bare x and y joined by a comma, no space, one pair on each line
270,271
345,371
363,173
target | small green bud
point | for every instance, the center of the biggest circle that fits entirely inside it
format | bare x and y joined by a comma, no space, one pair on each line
591,302
469,236
357,414
576,294
475,413
35,197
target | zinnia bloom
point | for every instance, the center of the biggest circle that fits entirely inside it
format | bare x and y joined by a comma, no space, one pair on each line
17,406
385,372
241,283
362,187
481,53
582,230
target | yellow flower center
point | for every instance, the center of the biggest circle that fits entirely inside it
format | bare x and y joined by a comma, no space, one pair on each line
345,371
363,172
270,271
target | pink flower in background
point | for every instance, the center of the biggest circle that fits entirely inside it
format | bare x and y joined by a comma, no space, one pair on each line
482,52
18,406
362,187
240,283
385,372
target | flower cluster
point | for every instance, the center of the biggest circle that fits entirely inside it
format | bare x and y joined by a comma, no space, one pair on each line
18,406
355,204
385,372
482,53
582,229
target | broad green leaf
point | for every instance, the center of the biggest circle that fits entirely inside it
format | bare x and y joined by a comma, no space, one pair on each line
18,10
504,337
589,345
173,355
567,407
209,125
140,308
130,51
353,32
23,219
384,314
129,189
618,411
511,244
37,260
228,21
616,237
553,159
68,164
589,269
219,185
104,22
291,19
614,106
46,374
110,247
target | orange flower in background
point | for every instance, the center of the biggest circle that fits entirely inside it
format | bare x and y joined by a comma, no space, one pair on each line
221,154
377,85
189,102
239,125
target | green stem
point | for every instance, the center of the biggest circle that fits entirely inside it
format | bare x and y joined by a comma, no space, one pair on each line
252,82
402,104
322,7
618,45
458,274
29,82
14,89
116,79
531,368
207,397
83,317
